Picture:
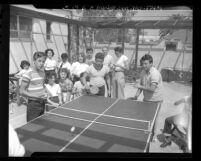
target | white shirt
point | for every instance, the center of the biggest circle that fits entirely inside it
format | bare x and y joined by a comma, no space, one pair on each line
53,90
78,68
15,148
121,61
108,60
22,72
66,65
97,77
146,79
50,64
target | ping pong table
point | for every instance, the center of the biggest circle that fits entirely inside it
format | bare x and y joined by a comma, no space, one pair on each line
101,125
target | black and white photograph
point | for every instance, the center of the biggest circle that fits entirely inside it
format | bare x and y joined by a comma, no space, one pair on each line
111,80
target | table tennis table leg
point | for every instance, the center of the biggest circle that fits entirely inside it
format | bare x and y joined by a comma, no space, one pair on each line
147,149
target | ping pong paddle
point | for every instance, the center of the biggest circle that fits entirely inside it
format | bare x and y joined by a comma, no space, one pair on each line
94,90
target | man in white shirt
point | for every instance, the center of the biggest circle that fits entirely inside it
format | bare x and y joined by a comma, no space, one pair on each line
15,148
151,85
120,67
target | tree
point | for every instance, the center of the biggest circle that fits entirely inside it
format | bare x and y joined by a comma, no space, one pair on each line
108,35
175,17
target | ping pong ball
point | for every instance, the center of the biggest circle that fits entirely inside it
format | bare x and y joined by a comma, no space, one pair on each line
72,129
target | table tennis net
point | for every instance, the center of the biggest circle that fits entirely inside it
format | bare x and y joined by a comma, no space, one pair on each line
104,119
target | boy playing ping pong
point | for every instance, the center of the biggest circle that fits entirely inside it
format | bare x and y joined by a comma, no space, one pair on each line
32,87
97,73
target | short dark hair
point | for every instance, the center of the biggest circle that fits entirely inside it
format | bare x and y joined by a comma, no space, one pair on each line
23,63
119,49
99,56
51,74
64,56
38,54
147,57
65,70
46,51
89,49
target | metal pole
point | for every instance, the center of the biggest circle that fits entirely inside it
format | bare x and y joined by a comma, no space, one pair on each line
56,44
164,51
184,48
31,48
69,40
77,38
136,48
14,60
43,35
62,36
23,48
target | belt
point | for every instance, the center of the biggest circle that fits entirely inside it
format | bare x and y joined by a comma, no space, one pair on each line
119,71
36,100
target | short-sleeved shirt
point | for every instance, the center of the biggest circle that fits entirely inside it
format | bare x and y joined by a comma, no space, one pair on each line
121,61
50,64
22,72
97,76
66,65
66,86
53,90
146,79
78,68
108,60
36,81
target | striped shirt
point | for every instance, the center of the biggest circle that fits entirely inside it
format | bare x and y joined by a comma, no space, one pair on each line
36,81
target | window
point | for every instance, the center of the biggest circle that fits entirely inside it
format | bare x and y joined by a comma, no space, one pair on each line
25,27
48,30
13,26
171,46
20,27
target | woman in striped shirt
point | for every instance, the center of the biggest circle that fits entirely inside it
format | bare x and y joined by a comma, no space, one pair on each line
32,87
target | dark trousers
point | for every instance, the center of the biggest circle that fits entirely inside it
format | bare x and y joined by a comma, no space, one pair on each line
54,99
169,122
101,91
35,108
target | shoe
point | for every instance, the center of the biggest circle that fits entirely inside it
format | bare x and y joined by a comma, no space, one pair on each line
165,144
154,139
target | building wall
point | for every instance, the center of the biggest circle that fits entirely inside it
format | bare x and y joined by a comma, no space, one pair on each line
24,49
